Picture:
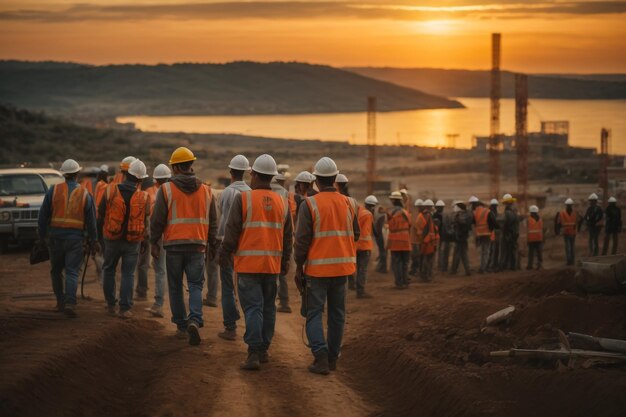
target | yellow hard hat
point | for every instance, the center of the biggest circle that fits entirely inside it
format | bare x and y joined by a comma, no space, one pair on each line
181,155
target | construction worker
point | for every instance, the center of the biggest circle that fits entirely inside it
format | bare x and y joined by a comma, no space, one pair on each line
143,261
184,217
259,234
124,165
325,255
380,220
211,268
342,185
406,201
101,185
565,222
593,220
161,175
123,217
90,179
510,234
428,240
304,188
67,210
446,234
415,238
494,238
482,230
462,225
238,167
534,238
398,241
365,244
612,226
278,186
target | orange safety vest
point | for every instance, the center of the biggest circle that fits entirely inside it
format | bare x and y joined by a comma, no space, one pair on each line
366,224
88,184
68,212
535,230
113,228
152,191
260,247
332,252
292,204
187,215
101,187
568,222
481,226
428,243
118,178
398,238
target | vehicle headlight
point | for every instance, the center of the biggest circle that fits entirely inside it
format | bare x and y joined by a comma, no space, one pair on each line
5,216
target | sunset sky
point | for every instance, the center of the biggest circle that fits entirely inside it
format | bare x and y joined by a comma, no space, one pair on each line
538,36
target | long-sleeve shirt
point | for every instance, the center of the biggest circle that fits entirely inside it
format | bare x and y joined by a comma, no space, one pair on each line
45,215
304,232
593,216
234,227
613,221
510,228
226,201
127,189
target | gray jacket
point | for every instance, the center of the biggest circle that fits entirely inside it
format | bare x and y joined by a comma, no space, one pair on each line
226,201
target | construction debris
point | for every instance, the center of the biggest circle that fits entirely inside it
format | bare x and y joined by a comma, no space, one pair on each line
602,274
597,343
498,317
559,354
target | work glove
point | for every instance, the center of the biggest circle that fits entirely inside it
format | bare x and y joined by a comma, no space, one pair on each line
299,279
155,251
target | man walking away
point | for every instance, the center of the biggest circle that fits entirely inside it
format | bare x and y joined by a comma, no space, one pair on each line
259,234
123,217
238,166
593,220
494,237
325,255
612,225
534,238
429,238
415,238
365,244
446,233
462,225
278,186
380,220
398,241
124,165
304,188
510,234
565,222
184,216
482,231
143,261
67,210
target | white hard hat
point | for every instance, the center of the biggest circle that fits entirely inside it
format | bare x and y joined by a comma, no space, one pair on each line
473,199
404,191
533,209
325,167
305,176
70,167
569,201
239,163
395,196
125,164
371,200
429,203
104,168
162,171
440,203
508,198
418,202
138,169
494,202
612,200
341,179
265,164
593,196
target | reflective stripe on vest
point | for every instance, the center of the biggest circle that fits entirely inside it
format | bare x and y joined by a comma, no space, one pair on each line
188,215
480,219
260,247
568,222
68,212
535,230
332,252
398,238
366,224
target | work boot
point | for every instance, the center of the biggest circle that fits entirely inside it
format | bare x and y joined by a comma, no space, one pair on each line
283,308
111,310
126,314
60,307
264,357
320,364
253,363
363,295
156,311
194,333
228,334
209,303
70,311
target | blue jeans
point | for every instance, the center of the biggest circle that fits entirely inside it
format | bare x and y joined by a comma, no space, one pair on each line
318,290
143,265
211,278
570,251
229,305
362,262
65,254
129,253
159,278
257,294
400,267
192,265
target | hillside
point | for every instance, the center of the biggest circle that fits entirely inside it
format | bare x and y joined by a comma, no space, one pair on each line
465,83
200,89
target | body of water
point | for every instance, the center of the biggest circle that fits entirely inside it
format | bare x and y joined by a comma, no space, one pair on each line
437,128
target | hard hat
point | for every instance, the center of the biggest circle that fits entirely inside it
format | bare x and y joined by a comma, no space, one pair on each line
104,168
473,199
305,176
181,155
395,196
440,203
341,179
125,164
533,209
612,200
280,177
404,191
508,198
265,164
569,202
371,200
429,203
593,196
70,167
418,202
325,167
161,172
138,169
494,202
239,163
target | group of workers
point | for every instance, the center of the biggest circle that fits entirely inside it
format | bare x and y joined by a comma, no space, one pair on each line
255,231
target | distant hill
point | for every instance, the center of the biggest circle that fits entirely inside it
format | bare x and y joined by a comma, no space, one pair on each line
196,89
465,83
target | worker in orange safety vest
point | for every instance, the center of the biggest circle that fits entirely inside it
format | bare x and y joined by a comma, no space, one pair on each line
428,236
565,223
398,240
534,238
